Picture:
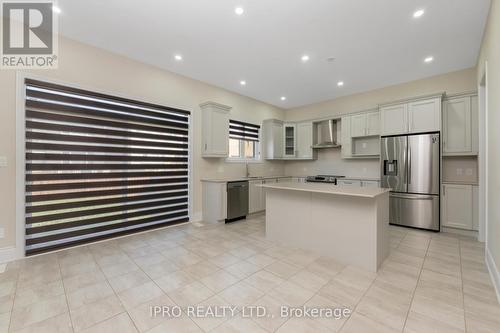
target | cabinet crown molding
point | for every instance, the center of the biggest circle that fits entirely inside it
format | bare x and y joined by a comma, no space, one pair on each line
413,99
211,104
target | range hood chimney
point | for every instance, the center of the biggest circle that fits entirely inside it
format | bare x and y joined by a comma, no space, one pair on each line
326,134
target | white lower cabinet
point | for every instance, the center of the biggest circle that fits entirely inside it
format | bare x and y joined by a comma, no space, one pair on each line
255,192
457,205
214,201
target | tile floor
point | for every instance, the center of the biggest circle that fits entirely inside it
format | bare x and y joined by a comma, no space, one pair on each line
430,283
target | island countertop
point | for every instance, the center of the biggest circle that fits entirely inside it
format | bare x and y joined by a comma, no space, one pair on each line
364,192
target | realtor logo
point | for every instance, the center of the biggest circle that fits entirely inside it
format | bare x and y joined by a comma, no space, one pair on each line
28,35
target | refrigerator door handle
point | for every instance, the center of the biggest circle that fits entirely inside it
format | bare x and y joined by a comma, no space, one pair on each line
409,164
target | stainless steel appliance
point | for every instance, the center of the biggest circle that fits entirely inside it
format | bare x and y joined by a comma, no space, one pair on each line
410,168
323,179
326,134
237,200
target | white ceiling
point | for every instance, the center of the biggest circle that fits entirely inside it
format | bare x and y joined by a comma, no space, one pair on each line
375,43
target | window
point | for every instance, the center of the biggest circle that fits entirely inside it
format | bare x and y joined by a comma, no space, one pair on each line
243,141
99,166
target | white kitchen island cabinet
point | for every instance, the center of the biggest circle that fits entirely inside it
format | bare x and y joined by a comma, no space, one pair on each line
348,224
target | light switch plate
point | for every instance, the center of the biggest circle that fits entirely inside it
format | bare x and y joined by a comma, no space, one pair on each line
460,172
3,161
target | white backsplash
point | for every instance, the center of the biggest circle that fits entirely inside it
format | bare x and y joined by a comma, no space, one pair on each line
330,162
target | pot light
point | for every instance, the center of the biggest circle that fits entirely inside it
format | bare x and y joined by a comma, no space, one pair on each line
340,83
178,57
283,98
418,13
429,59
56,9
239,10
304,58
243,82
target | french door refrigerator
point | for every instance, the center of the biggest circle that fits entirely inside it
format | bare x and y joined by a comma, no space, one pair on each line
410,167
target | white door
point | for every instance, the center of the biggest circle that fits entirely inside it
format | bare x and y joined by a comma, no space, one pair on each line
457,206
254,196
424,116
290,140
373,123
394,119
304,140
358,125
457,125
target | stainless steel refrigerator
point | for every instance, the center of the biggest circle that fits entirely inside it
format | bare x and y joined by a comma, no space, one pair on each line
410,168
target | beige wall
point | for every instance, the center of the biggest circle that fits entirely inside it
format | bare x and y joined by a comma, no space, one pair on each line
329,160
93,68
490,53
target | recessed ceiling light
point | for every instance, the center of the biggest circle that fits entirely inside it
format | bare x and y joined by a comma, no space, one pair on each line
178,57
56,9
283,98
239,10
418,13
243,82
305,58
429,59
340,83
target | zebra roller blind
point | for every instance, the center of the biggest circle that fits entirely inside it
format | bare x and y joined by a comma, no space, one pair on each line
243,131
99,166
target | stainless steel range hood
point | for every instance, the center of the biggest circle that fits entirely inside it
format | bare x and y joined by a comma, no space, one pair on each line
326,134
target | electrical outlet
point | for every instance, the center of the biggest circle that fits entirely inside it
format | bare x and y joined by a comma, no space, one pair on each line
220,169
3,161
364,145
2,233
468,172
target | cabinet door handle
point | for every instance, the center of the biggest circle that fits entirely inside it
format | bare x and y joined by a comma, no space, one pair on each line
444,190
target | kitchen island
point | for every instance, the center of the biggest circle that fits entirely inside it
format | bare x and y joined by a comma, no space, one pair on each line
349,224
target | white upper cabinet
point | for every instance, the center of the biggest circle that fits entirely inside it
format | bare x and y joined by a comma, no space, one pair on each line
365,124
305,140
460,126
394,119
358,125
290,140
272,139
412,117
424,116
346,139
373,123
215,129
457,125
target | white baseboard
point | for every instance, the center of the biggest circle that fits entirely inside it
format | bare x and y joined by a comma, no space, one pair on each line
196,217
7,254
494,272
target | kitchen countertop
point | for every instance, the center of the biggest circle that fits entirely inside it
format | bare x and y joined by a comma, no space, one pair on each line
225,180
363,192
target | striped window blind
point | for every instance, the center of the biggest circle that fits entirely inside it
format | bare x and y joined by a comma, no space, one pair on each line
99,166
243,131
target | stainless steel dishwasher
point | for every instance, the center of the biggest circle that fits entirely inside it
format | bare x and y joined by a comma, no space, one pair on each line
237,200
